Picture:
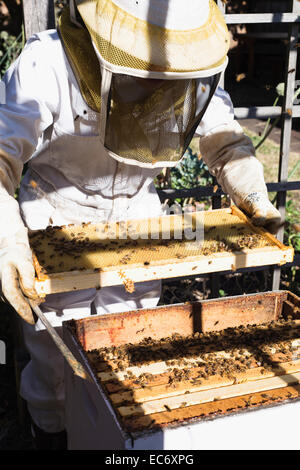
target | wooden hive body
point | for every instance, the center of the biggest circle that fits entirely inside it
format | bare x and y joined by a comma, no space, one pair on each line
143,413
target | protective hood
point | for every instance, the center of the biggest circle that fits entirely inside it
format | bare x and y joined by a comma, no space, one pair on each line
147,122
158,38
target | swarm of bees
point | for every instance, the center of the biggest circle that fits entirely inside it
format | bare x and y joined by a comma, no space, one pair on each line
191,360
196,358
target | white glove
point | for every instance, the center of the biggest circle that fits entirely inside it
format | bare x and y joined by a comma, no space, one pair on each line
229,155
17,272
262,211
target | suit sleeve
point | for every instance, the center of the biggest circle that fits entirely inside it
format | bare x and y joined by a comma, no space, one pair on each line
228,152
30,104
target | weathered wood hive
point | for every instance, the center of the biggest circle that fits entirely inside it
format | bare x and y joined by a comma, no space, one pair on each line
158,369
79,257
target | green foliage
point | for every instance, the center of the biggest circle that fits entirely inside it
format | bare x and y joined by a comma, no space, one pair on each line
190,172
10,48
280,90
291,236
222,293
267,147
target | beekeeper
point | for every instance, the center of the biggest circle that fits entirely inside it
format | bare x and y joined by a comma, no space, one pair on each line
96,110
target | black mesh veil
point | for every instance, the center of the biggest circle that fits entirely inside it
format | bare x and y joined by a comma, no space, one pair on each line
150,120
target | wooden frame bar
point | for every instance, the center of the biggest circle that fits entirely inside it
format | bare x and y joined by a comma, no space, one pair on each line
187,319
178,261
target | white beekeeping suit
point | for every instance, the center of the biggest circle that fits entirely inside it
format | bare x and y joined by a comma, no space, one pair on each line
97,110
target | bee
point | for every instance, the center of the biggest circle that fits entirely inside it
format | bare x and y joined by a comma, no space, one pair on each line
140,331
151,423
248,401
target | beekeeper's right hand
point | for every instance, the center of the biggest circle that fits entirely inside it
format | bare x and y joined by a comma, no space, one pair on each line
17,272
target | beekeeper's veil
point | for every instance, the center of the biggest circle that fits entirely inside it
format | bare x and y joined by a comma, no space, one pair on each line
160,61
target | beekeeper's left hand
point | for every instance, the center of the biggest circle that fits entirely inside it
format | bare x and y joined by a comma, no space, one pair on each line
230,157
261,211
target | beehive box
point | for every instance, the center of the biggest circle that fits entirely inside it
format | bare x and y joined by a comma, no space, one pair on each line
79,257
162,377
